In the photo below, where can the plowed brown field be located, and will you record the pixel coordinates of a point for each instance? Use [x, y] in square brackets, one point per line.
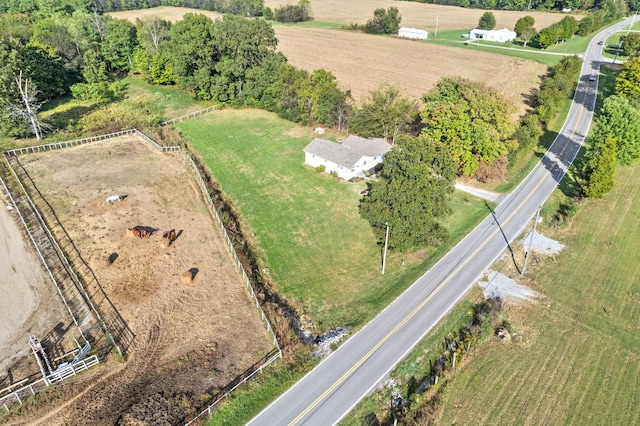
[418, 15]
[361, 62]
[191, 338]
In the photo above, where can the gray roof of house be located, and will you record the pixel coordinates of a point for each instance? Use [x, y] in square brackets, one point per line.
[349, 152]
[371, 147]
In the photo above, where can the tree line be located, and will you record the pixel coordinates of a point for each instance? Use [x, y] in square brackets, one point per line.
[615, 138]
[538, 4]
[47, 8]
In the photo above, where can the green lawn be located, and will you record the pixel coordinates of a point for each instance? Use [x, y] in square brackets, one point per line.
[455, 38]
[322, 257]
[583, 363]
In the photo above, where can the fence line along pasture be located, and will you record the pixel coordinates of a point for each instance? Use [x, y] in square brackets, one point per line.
[73, 268]
[17, 396]
[36, 246]
[110, 322]
[190, 115]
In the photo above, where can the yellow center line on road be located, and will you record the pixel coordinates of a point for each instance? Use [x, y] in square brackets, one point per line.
[434, 292]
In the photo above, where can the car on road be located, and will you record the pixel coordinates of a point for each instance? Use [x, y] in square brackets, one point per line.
[593, 77]
[601, 42]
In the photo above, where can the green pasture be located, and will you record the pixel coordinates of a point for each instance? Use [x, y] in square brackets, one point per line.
[549, 57]
[321, 256]
[582, 365]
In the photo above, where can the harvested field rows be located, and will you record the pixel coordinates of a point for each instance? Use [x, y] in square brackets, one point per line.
[418, 15]
[362, 62]
[192, 337]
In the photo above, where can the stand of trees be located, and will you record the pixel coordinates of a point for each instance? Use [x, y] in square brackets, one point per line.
[46, 8]
[537, 4]
[615, 138]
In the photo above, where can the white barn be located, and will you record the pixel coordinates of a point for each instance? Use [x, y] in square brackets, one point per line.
[412, 33]
[501, 36]
[349, 159]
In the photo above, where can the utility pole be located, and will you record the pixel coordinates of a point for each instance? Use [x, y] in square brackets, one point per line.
[384, 254]
[436, 35]
[526, 256]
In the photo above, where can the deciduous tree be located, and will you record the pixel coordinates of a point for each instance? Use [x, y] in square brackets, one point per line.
[411, 195]
[524, 23]
[487, 21]
[471, 119]
[384, 113]
[600, 168]
[628, 81]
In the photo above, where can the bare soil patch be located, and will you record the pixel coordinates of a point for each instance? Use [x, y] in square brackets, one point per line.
[191, 338]
[418, 15]
[361, 62]
[168, 13]
[29, 303]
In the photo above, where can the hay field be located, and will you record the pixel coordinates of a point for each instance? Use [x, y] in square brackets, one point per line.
[418, 15]
[361, 62]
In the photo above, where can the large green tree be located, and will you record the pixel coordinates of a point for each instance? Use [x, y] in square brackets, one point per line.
[384, 113]
[412, 193]
[600, 169]
[620, 120]
[628, 81]
[471, 119]
[384, 21]
[487, 21]
[523, 23]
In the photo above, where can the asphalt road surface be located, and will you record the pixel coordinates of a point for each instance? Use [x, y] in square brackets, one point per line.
[331, 390]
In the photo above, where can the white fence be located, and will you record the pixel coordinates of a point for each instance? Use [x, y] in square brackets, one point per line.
[190, 115]
[19, 395]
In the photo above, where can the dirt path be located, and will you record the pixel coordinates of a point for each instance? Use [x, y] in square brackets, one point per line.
[29, 303]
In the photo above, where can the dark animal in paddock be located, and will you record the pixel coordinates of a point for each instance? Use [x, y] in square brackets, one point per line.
[142, 231]
[170, 236]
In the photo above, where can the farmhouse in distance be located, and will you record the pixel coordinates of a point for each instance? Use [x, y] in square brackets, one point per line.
[348, 160]
[501, 36]
[413, 33]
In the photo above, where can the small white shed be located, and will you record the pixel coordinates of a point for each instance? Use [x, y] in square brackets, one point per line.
[413, 33]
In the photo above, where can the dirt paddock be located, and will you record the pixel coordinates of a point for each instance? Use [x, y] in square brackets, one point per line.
[192, 336]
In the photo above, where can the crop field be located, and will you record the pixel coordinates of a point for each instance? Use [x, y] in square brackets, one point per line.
[362, 62]
[417, 15]
[323, 258]
[581, 364]
[193, 336]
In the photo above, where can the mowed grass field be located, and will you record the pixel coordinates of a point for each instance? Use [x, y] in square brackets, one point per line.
[582, 361]
[322, 257]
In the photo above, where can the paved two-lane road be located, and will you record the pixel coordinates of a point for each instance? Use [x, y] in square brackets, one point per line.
[337, 384]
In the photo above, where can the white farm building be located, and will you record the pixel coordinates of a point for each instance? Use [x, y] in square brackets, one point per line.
[412, 33]
[501, 36]
[349, 159]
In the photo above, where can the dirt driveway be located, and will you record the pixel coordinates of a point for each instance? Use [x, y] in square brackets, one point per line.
[191, 338]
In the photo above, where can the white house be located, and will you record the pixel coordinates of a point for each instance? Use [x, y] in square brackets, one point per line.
[412, 33]
[501, 36]
[349, 159]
